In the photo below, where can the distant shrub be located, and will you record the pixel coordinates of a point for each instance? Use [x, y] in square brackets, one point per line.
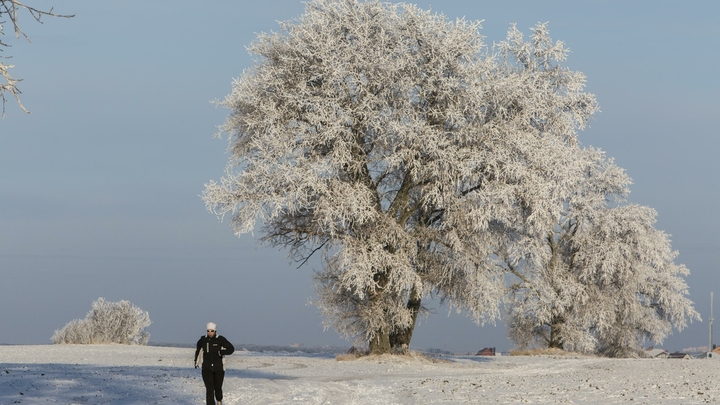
[107, 322]
[77, 331]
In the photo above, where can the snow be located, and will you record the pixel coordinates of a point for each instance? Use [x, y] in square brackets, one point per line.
[117, 374]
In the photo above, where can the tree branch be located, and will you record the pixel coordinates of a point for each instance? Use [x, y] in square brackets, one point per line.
[10, 8]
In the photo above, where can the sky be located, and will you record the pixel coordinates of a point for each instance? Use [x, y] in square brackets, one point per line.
[100, 184]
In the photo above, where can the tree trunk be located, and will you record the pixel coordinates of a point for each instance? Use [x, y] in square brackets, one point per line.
[400, 341]
[556, 339]
[380, 344]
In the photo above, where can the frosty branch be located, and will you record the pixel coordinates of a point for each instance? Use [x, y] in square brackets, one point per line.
[10, 9]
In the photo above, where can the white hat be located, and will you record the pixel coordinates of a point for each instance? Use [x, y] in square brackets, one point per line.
[211, 326]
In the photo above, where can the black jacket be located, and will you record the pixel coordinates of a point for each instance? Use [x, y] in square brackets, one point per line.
[213, 348]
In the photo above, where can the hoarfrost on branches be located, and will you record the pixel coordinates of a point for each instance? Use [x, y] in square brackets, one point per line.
[10, 9]
[395, 143]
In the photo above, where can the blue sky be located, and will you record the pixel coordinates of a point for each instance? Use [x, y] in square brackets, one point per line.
[99, 186]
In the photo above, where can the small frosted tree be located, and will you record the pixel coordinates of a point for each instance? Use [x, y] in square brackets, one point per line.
[107, 322]
[640, 292]
[391, 140]
[603, 279]
[77, 331]
[549, 300]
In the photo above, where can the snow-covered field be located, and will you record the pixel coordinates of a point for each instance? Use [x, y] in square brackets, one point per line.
[114, 374]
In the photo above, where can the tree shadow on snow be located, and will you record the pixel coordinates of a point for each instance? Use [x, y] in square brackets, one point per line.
[80, 384]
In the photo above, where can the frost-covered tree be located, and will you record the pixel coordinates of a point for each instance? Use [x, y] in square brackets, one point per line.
[10, 12]
[75, 332]
[394, 142]
[107, 322]
[641, 293]
[603, 279]
[548, 299]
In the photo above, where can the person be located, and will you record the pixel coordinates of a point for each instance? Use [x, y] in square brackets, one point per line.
[213, 348]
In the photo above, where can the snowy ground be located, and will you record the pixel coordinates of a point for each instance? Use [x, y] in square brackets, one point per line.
[160, 375]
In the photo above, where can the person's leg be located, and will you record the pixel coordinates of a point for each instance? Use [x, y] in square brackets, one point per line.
[219, 377]
[209, 380]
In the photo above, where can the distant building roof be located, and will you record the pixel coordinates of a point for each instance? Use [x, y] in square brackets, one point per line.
[678, 355]
[656, 353]
[488, 351]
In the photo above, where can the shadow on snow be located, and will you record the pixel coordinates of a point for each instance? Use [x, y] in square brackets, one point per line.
[79, 384]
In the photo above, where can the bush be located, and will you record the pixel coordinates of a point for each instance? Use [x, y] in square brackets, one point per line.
[107, 322]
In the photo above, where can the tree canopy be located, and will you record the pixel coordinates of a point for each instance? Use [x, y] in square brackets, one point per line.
[394, 141]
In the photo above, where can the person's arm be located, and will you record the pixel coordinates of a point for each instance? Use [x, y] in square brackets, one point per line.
[227, 347]
[197, 352]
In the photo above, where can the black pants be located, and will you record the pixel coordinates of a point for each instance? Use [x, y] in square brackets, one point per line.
[213, 385]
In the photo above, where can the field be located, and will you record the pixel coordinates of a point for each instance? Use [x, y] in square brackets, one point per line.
[114, 374]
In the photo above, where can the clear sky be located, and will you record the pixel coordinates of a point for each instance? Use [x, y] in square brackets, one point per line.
[99, 186]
